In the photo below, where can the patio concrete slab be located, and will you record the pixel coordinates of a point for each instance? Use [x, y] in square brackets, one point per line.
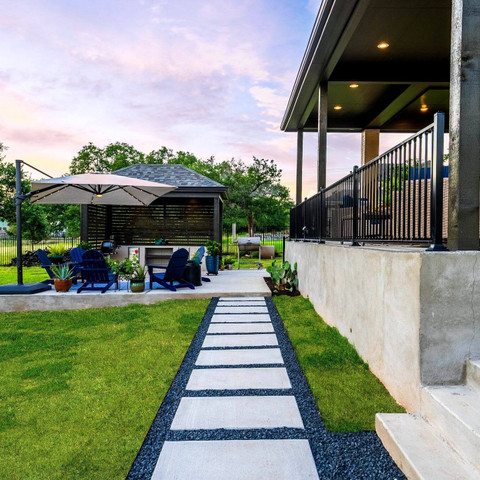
[236, 460]
[249, 356]
[234, 283]
[238, 379]
[241, 309]
[208, 413]
[241, 328]
[225, 318]
[247, 340]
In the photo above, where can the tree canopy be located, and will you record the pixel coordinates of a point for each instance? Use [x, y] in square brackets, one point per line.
[255, 198]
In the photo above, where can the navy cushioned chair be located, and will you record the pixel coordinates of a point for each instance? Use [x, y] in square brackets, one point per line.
[173, 272]
[95, 271]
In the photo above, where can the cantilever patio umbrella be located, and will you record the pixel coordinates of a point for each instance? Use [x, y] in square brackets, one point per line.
[88, 188]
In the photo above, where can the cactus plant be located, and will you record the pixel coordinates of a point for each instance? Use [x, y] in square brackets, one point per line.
[284, 277]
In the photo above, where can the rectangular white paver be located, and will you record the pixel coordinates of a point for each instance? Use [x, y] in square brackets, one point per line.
[222, 299]
[247, 340]
[240, 328]
[196, 413]
[240, 303]
[290, 459]
[243, 310]
[249, 356]
[238, 378]
[216, 318]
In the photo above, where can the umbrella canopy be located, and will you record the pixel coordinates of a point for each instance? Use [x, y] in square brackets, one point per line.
[97, 189]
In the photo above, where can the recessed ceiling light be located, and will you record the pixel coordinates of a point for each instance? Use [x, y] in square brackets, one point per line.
[424, 108]
[337, 107]
[354, 85]
[383, 45]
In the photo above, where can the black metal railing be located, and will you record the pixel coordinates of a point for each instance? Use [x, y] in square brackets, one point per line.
[397, 197]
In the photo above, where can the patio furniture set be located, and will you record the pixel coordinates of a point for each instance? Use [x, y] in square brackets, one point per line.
[97, 273]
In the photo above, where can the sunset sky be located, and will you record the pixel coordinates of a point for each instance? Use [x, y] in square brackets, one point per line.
[210, 77]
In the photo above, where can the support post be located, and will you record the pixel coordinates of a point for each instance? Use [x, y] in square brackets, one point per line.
[18, 208]
[370, 144]
[299, 166]
[322, 135]
[436, 209]
[355, 208]
[217, 230]
[464, 164]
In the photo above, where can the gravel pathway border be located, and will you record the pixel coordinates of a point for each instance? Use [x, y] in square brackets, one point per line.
[337, 455]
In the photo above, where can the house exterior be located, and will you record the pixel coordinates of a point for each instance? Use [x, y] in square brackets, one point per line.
[374, 66]
[186, 217]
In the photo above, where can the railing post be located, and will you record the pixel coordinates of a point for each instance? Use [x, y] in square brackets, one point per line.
[283, 252]
[355, 208]
[436, 207]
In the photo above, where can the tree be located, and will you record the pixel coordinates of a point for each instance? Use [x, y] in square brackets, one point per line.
[34, 222]
[113, 157]
[254, 198]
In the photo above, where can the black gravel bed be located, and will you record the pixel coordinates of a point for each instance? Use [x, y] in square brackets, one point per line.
[337, 455]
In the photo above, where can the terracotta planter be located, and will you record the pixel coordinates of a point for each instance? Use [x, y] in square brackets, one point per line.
[62, 285]
[137, 287]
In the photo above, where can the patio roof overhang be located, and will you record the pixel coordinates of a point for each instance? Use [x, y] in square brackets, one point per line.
[393, 83]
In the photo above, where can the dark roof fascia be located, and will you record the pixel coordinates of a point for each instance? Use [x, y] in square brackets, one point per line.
[198, 191]
[331, 21]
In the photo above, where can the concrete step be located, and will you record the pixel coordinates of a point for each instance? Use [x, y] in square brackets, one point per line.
[418, 451]
[473, 374]
[455, 412]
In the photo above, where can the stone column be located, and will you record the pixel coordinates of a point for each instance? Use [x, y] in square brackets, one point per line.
[370, 144]
[322, 136]
[464, 169]
[299, 166]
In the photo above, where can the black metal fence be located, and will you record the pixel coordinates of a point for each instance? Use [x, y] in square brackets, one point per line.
[8, 246]
[276, 239]
[397, 197]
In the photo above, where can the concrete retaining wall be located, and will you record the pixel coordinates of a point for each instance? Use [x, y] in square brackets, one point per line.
[410, 314]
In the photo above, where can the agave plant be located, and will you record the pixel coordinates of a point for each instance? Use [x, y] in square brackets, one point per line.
[62, 272]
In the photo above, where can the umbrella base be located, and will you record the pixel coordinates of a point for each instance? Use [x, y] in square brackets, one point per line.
[25, 289]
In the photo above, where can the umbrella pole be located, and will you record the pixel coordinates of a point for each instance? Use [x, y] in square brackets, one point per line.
[18, 202]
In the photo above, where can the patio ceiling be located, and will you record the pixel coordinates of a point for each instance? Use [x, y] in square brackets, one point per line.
[393, 83]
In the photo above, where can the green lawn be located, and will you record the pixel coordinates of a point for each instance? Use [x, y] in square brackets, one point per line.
[30, 274]
[79, 389]
[348, 395]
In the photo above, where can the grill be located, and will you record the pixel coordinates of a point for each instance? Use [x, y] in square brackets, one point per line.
[247, 245]
[108, 247]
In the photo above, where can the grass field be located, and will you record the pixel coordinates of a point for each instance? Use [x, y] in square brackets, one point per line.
[79, 389]
[30, 275]
[348, 395]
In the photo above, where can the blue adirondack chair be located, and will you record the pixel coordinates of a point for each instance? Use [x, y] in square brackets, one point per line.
[199, 254]
[173, 272]
[76, 255]
[95, 271]
[46, 264]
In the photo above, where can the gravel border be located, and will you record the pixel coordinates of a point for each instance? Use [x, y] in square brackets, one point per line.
[337, 455]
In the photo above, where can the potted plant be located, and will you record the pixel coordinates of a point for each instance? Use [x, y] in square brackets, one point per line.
[62, 277]
[137, 279]
[228, 262]
[85, 246]
[56, 253]
[212, 259]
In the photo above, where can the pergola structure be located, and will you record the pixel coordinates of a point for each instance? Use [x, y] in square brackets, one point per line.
[376, 66]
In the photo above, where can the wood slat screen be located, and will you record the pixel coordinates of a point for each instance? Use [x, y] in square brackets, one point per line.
[97, 224]
[178, 221]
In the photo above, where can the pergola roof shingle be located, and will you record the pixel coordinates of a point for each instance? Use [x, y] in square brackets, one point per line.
[177, 175]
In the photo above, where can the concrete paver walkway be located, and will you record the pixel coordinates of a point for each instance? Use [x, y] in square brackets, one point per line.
[240, 408]
[239, 459]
